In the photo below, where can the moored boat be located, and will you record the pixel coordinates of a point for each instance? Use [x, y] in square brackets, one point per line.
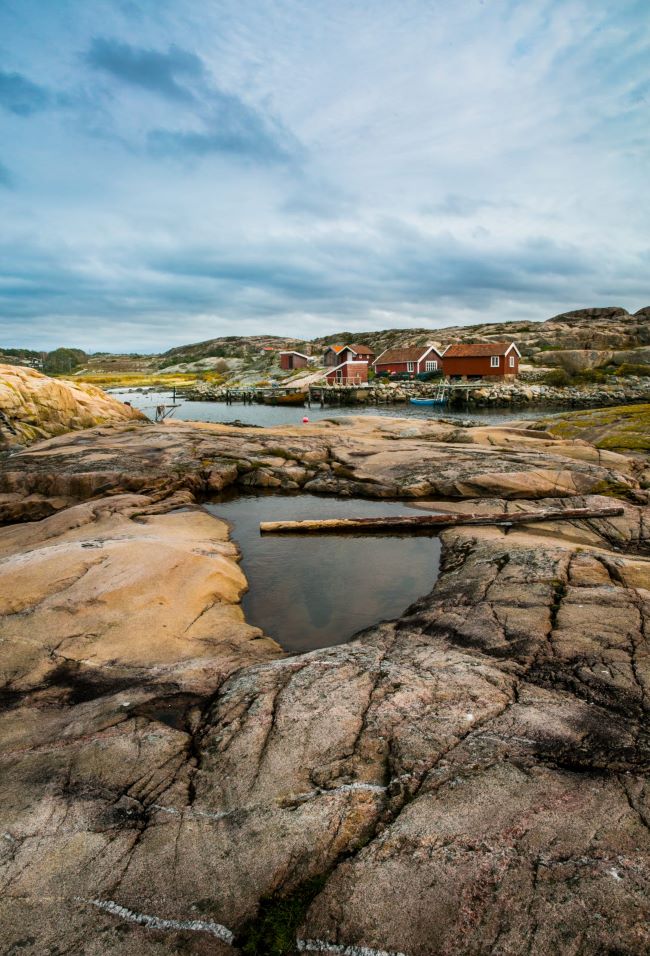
[427, 401]
[285, 398]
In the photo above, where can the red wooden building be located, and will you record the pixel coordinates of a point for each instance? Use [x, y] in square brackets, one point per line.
[481, 360]
[348, 373]
[357, 353]
[290, 360]
[419, 358]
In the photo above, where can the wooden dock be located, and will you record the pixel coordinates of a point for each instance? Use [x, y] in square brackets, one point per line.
[321, 395]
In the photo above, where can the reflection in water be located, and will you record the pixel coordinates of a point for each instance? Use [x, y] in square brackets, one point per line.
[316, 591]
[267, 415]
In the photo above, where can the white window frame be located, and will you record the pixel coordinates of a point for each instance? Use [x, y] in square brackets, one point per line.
[512, 361]
[431, 365]
[410, 366]
[495, 361]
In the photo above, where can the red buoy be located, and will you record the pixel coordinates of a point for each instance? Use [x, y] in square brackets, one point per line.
[305, 420]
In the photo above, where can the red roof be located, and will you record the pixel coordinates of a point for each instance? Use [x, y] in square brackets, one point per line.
[361, 349]
[478, 350]
[397, 356]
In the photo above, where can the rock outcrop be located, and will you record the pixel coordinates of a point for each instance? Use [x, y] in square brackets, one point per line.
[33, 406]
[374, 457]
[472, 778]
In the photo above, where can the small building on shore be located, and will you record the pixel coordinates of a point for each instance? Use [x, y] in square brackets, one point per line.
[412, 360]
[290, 360]
[493, 360]
[351, 372]
[331, 355]
[338, 354]
[357, 353]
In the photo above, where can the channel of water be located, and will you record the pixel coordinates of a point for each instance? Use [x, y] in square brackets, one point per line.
[267, 415]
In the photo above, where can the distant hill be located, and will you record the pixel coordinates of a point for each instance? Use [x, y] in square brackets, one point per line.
[229, 346]
[608, 328]
[591, 328]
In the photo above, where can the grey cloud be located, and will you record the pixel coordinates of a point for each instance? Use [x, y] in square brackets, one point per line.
[20, 96]
[232, 128]
[226, 124]
[162, 73]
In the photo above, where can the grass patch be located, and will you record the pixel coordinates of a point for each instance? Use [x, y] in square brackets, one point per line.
[620, 428]
[273, 931]
[144, 379]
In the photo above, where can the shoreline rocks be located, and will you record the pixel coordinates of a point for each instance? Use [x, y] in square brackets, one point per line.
[470, 778]
[520, 393]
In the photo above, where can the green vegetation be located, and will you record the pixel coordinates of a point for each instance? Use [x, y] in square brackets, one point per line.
[62, 361]
[629, 369]
[273, 931]
[561, 378]
[622, 428]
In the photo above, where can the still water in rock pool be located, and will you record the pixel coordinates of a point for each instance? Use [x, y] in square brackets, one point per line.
[319, 590]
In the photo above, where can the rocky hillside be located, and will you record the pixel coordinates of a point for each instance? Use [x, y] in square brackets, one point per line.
[583, 339]
[33, 406]
[610, 329]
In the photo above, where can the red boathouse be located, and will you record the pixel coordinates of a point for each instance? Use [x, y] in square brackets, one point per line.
[481, 360]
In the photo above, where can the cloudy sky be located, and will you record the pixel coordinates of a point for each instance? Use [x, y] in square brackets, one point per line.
[171, 171]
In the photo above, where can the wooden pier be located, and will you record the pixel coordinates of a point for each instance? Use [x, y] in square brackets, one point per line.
[322, 395]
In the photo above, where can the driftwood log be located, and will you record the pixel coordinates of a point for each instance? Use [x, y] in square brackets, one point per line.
[427, 524]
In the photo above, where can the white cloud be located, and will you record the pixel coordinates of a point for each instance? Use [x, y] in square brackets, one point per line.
[446, 164]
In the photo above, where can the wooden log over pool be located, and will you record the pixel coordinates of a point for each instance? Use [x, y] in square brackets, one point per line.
[430, 523]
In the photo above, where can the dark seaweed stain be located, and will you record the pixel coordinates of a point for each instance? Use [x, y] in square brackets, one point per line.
[173, 711]
[559, 594]
[272, 932]
[82, 685]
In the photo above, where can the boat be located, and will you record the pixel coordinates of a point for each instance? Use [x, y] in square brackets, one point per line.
[427, 401]
[285, 398]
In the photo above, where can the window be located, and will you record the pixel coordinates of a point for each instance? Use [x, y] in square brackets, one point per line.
[431, 366]
[410, 366]
[494, 361]
[512, 361]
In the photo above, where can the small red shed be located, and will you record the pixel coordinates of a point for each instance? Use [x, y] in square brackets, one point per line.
[348, 373]
[290, 360]
[481, 360]
[418, 358]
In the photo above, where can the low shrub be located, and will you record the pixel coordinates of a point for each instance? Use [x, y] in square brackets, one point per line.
[632, 369]
[558, 378]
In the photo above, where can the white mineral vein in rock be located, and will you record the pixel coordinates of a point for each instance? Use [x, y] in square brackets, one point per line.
[322, 946]
[157, 922]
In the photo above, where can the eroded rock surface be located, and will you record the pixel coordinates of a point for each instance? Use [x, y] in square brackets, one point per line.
[34, 406]
[373, 457]
[469, 779]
